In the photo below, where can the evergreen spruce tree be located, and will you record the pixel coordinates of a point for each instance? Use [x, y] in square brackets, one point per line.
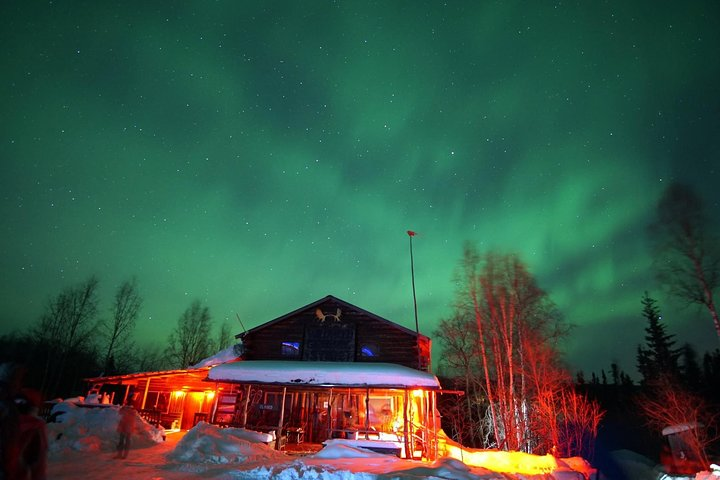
[692, 373]
[615, 372]
[644, 366]
[658, 358]
[711, 368]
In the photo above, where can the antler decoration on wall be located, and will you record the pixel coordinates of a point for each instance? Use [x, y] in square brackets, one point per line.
[322, 316]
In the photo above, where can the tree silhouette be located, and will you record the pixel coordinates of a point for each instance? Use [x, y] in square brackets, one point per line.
[502, 343]
[658, 357]
[691, 372]
[118, 330]
[686, 251]
[190, 341]
[65, 331]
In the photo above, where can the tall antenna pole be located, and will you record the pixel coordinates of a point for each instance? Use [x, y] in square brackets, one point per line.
[411, 234]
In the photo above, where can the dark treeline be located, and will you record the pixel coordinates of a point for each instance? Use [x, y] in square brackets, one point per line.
[500, 347]
[674, 387]
[76, 338]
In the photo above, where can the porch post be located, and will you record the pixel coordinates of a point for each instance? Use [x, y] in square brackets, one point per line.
[407, 429]
[125, 397]
[426, 423]
[216, 399]
[329, 414]
[278, 432]
[147, 388]
[313, 423]
[245, 405]
[433, 397]
[367, 412]
[426, 426]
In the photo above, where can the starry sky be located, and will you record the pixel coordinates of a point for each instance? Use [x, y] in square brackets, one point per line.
[261, 155]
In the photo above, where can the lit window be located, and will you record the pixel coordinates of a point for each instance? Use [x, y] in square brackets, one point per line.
[290, 349]
[368, 351]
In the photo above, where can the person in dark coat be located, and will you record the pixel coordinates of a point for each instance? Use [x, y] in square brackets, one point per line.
[125, 428]
[9, 420]
[32, 438]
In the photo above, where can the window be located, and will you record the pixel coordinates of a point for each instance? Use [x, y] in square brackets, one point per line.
[290, 349]
[368, 350]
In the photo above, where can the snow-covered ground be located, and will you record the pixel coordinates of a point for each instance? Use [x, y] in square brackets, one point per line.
[82, 444]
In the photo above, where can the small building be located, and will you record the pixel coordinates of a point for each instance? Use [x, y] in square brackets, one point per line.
[328, 371]
[686, 453]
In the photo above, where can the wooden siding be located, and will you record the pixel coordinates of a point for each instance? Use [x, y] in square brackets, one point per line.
[334, 330]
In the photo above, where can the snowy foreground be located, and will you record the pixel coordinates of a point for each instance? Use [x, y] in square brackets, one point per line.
[82, 443]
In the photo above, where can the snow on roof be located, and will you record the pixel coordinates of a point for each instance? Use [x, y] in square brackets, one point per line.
[192, 372]
[358, 374]
[681, 427]
[223, 356]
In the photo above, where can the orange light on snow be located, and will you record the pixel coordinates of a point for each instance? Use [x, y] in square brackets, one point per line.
[497, 460]
[504, 462]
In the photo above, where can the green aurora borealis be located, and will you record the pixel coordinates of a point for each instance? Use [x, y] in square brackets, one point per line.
[261, 155]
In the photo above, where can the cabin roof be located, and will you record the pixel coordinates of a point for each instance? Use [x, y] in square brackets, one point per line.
[192, 372]
[324, 374]
[331, 298]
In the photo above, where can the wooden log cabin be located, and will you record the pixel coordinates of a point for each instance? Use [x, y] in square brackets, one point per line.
[328, 371]
[333, 330]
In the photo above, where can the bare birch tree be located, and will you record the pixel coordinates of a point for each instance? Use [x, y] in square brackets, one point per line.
[687, 256]
[148, 357]
[65, 329]
[190, 341]
[118, 330]
[461, 361]
[517, 329]
[471, 297]
[224, 337]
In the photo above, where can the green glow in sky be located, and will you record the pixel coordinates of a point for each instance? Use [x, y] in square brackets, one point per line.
[259, 156]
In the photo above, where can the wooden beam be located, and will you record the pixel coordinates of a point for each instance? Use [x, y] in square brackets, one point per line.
[245, 405]
[367, 412]
[145, 393]
[407, 429]
[278, 432]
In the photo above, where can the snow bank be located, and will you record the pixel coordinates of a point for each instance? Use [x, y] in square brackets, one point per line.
[516, 462]
[206, 443]
[210, 451]
[299, 470]
[86, 429]
[334, 449]
[448, 468]
[634, 465]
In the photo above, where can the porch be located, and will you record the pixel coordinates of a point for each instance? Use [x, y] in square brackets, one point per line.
[384, 407]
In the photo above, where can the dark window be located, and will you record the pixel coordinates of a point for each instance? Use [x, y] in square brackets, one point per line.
[290, 349]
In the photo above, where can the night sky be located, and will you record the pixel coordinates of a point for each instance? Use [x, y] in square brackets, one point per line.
[261, 155]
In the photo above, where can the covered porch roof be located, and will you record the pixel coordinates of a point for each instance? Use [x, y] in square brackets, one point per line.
[192, 379]
[324, 374]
